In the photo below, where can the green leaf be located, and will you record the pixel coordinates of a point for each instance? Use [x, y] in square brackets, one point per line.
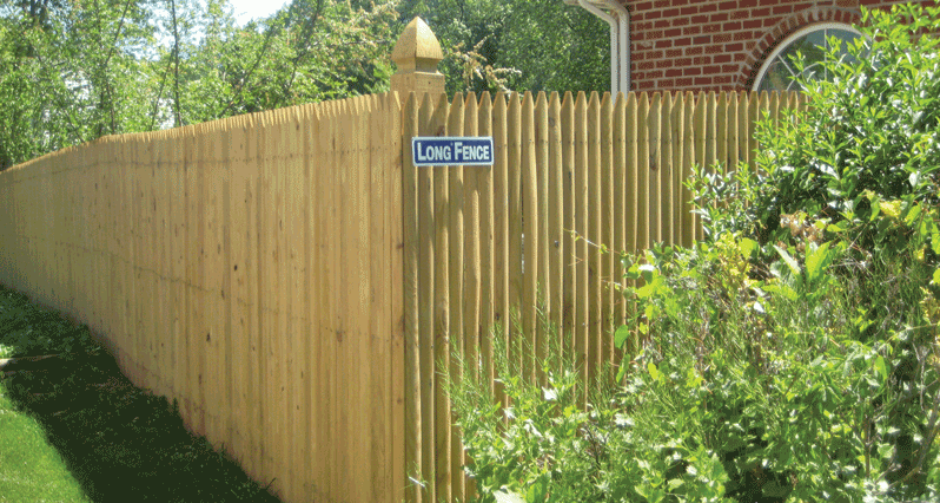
[621, 336]
[912, 214]
[787, 259]
[881, 368]
[654, 372]
[817, 261]
[747, 247]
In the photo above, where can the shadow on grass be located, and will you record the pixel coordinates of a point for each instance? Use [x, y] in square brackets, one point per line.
[120, 442]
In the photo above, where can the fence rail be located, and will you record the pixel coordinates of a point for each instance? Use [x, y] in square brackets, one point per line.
[291, 279]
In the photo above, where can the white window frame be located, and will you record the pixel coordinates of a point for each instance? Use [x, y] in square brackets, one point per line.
[806, 30]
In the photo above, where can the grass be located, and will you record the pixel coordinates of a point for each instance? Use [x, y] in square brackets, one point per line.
[30, 468]
[74, 429]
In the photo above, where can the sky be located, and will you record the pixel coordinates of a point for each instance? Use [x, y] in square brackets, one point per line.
[246, 10]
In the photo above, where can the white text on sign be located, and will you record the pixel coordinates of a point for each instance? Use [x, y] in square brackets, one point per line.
[452, 151]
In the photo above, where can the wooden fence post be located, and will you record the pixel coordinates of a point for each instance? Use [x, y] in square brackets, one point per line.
[417, 54]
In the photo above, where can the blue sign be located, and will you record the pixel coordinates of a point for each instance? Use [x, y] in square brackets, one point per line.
[452, 151]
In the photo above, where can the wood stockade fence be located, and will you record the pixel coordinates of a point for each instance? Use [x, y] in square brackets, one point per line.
[290, 278]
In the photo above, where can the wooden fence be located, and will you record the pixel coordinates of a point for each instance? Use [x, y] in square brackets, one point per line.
[245, 268]
[290, 278]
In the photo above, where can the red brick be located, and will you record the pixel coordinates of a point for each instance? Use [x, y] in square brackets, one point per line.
[674, 72]
[663, 44]
[692, 70]
[682, 42]
[673, 53]
[711, 70]
[732, 26]
[729, 68]
[695, 29]
[722, 58]
[665, 63]
[743, 35]
[708, 7]
[663, 23]
[714, 49]
[711, 28]
[698, 20]
[694, 50]
[688, 11]
[752, 24]
[729, 5]
[737, 46]
[665, 84]
[722, 38]
[704, 39]
[673, 33]
[703, 81]
[748, 4]
[674, 12]
[718, 17]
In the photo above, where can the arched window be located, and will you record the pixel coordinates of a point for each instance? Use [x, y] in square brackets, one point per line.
[778, 73]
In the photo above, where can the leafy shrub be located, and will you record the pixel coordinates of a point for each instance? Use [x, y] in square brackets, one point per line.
[865, 155]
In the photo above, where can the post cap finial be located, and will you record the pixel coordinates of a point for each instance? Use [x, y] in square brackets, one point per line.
[417, 48]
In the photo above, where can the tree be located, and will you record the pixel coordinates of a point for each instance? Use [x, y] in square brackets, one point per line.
[539, 39]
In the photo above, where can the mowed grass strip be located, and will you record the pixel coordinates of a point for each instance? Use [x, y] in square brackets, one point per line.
[74, 429]
[31, 469]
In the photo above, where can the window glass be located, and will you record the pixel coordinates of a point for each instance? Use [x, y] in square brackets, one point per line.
[778, 72]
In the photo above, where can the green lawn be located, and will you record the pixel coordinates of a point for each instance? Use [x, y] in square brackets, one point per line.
[74, 429]
[31, 469]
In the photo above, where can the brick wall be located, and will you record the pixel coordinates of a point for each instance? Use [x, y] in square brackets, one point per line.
[720, 44]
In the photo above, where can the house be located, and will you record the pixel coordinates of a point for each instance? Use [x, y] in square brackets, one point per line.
[720, 45]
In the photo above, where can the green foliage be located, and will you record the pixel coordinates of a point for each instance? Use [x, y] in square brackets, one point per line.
[545, 447]
[533, 42]
[865, 156]
[27, 330]
[72, 72]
